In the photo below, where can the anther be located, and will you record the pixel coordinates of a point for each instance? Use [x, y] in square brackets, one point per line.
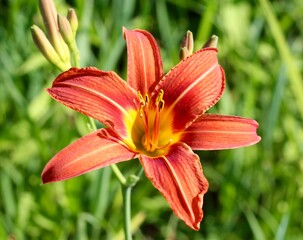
[141, 100]
[161, 105]
[159, 101]
[159, 97]
[146, 99]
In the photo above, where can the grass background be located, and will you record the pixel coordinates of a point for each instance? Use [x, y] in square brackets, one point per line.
[255, 192]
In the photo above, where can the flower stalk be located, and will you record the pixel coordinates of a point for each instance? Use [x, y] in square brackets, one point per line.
[127, 187]
[127, 190]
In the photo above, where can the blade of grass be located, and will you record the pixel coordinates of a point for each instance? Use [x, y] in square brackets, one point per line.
[165, 28]
[8, 197]
[293, 71]
[281, 232]
[254, 225]
[102, 198]
[206, 22]
[274, 109]
[83, 35]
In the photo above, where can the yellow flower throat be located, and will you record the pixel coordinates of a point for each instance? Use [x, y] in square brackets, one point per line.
[150, 140]
[150, 130]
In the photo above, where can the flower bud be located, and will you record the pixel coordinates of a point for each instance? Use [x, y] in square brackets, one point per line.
[212, 42]
[188, 42]
[47, 49]
[183, 53]
[49, 14]
[187, 45]
[65, 29]
[73, 20]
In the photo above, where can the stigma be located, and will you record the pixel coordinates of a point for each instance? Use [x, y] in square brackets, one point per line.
[150, 114]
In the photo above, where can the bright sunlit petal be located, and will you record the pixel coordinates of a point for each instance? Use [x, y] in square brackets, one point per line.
[144, 60]
[98, 94]
[192, 87]
[214, 132]
[88, 153]
[179, 177]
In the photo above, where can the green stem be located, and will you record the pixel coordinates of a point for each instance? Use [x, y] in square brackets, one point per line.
[92, 124]
[127, 211]
[75, 54]
[118, 174]
[140, 172]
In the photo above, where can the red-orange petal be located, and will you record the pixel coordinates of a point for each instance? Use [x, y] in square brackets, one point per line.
[179, 177]
[192, 87]
[144, 60]
[98, 94]
[214, 132]
[86, 154]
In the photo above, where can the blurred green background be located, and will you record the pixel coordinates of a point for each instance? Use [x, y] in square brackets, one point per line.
[255, 192]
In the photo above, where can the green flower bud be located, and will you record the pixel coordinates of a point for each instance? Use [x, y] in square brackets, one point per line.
[184, 53]
[49, 14]
[188, 42]
[187, 45]
[73, 20]
[47, 49]
[65, 29]
[212, 42]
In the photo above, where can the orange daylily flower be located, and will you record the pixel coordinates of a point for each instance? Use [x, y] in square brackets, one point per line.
[158, 119]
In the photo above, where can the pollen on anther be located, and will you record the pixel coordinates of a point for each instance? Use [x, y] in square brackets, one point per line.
[161, 105]
[146, 99]
[159, 101]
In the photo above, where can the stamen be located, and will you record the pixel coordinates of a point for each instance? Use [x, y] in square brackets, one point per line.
[161, 105]
[150, 139]
[156, 129]
[160, 98]
[143, 113]
[146, 99]
[141, 100]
